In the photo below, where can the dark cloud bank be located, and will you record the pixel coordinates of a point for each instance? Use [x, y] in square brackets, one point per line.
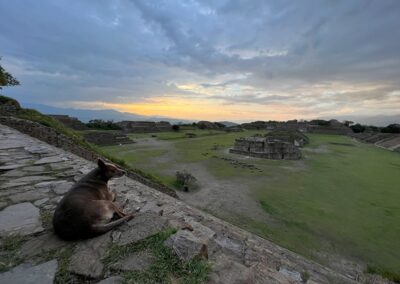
[325, 57]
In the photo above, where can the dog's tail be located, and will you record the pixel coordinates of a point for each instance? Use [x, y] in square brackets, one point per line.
[103, 228]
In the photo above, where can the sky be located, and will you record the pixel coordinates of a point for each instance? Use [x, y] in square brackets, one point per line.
[212, 60]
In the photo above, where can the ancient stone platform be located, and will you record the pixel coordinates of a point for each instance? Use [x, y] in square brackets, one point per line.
[33, 178]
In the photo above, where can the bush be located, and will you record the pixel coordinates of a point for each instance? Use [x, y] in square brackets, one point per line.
[391, 128]
[103, 124]
[358, 128]
[185, 180]
[175, 127]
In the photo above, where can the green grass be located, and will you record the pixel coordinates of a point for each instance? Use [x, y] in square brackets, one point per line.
[174, 135]
[202, 149]
[165, 266]
[9, 248]
[341, 199]
[346, 201]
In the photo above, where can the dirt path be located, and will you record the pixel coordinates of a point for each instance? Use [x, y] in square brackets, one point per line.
[226, 198]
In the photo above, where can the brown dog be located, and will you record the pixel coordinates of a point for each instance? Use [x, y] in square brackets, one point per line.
[88, 208]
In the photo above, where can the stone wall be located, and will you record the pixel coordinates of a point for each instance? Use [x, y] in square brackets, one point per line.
[52, 137]
[328, 130]
[144, 126]
[107, 138]
[266, 147]
[389, 141]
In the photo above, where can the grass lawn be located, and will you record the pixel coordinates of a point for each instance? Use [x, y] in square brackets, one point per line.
[342, 199]
[345, 201]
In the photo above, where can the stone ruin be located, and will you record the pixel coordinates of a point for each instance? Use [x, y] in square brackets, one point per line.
[266, 147]
[333, 127]
[292, 136]
[144, 126]
[71, 122]
[107, 138]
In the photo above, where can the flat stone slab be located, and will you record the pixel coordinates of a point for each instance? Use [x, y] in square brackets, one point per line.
[40, 244]
[27, 196]
[112, 280]
[26, 180]
[20, 219]
[187, 246]
[138, 261]
[49, 160]
[88, 254]
[62, 188]
[142, 226]
[10, 167]
[26, 274]
[228, 271]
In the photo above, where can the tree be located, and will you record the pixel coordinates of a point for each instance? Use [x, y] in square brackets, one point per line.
[391, 128]
[358, 128]
[6, 79]
[175, 127]
[348, 123]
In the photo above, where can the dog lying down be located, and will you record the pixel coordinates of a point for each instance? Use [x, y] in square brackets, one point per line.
[89, 208]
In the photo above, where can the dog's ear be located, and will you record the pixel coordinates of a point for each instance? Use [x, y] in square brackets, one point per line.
[101, 163]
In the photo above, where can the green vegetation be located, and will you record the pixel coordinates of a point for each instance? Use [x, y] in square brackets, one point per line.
[183, 133]
[345, 201]
[166, 266]
[340, 200]
[6, 79]
[63, 276]
[46, 216]
[103, 124]
[9, 248]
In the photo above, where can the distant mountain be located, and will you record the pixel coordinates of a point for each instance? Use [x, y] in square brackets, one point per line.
[228, 123]
[377, 120]
[85, 115]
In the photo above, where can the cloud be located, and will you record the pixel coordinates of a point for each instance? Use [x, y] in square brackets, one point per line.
[319, 56]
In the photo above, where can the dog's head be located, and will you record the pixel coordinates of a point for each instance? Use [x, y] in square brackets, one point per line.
[109, 170]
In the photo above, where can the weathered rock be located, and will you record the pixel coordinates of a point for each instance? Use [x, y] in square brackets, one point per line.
[264, 273]
[35, 169]
[40, 202]
[112, 280]
[60, 166]
[86, 260]
[62, 188]
[26, 180]
[3, 204]
[201, 231]
[43, 273]
[138, 261]
[40, 244]
[56, 199]
[10, 167]
[49, 160]
[291, 274]
[226, 271]
[142, 226]
[27, 196]
[41, 149]
[20, 219]
[187, 246]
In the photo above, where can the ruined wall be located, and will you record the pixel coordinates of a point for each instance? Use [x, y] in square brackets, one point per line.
[144, 126]
[107, 138]
[266, 148]
[328, 130]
